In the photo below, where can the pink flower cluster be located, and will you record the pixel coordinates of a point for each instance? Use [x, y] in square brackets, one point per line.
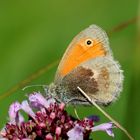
[47, 120]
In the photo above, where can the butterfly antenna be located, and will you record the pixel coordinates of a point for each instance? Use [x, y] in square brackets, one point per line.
[106, 114]
[29, 86]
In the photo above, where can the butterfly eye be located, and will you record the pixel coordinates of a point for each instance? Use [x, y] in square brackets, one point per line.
[89, 42]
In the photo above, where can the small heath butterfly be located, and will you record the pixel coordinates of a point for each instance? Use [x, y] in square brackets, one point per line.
[88, 63]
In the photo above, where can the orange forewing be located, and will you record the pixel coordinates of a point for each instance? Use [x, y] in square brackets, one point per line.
[80, 53]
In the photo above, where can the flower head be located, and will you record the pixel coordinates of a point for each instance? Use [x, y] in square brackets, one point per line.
[50, 121]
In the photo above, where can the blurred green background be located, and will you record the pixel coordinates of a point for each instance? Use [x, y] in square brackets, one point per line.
[34, 34]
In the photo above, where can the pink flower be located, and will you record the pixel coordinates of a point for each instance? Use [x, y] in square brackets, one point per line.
[25, 106]
[49, 137]
[76, 133]
[13, 112]
[37, 100]
[58, 131]
[48, 121]
[104, 127]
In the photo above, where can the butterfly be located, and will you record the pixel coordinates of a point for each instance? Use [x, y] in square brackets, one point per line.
[88, 63]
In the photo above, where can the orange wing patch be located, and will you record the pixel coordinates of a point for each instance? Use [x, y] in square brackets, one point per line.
[79, 53]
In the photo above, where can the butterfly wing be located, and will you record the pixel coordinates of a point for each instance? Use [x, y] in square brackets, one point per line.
[80, 50]
[101, 78]
[88, 63]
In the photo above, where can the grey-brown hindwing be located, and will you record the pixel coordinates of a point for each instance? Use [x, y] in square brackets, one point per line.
[101, 78]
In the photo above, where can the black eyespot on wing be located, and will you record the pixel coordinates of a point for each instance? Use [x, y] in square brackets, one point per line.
[89, 42]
